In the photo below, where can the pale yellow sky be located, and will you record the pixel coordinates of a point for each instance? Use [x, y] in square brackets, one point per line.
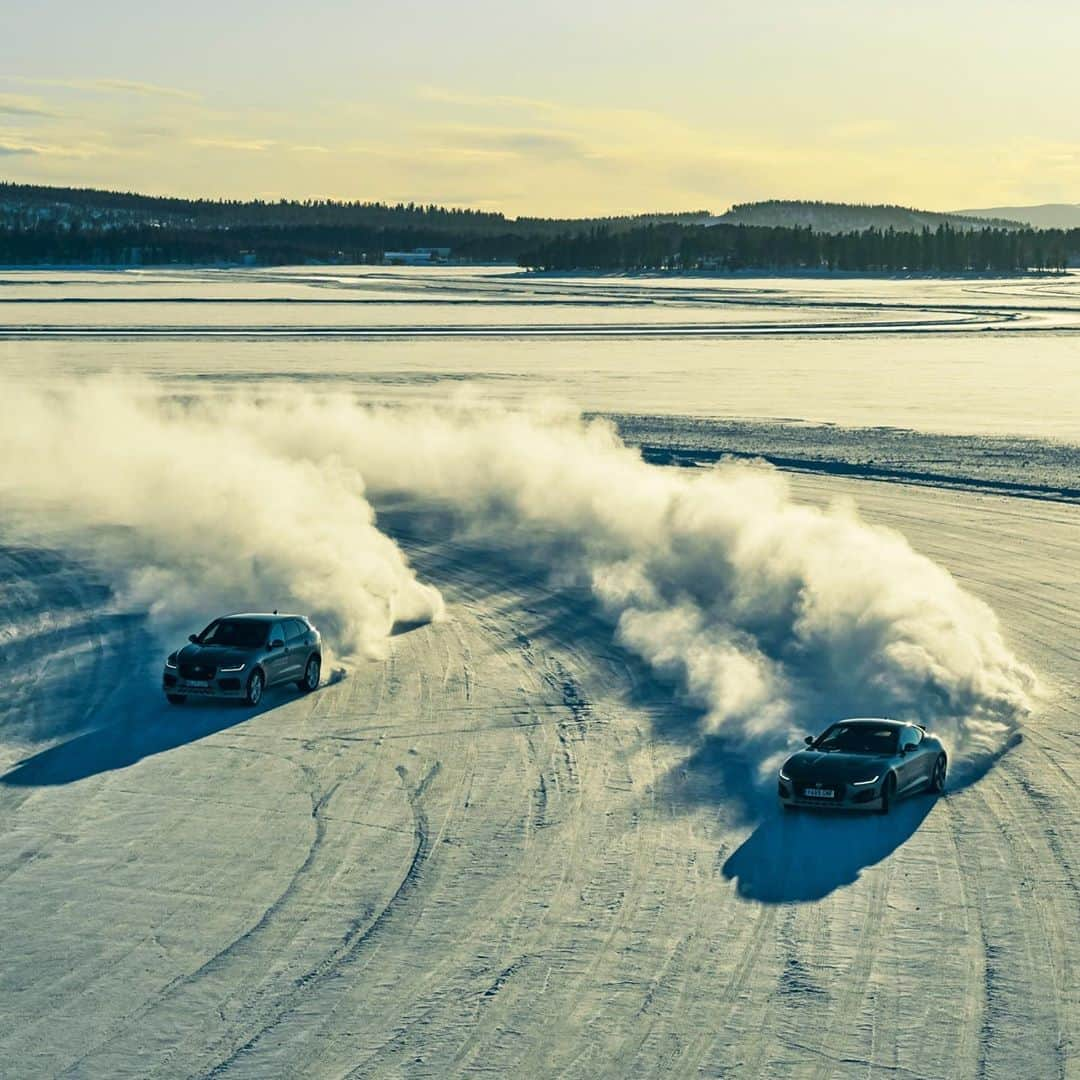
[579, 108]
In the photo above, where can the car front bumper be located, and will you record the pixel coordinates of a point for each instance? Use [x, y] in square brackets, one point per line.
[847, 797]
[230, 684]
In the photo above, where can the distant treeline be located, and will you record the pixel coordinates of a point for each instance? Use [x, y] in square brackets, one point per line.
[46, 225]
[25, 206]
[147, 245]
[751, 247]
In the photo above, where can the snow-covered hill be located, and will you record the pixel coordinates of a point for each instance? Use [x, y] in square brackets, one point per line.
[833, 217]
[1044, 216]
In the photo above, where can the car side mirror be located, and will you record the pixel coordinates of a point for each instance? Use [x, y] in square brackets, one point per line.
[193, 638]
[277, 643]
[906, 749]
[809, 740]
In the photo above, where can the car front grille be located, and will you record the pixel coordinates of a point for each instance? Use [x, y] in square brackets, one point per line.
[197, 671]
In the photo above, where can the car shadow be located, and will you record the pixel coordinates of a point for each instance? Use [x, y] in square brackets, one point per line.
[802, 856]
[140, 730]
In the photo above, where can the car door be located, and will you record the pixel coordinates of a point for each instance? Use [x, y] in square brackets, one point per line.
[276, 662]
[912, 766]
[296, 646]
[925, 759]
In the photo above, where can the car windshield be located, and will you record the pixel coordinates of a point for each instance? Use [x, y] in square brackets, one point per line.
[858, 739]
[236, 633]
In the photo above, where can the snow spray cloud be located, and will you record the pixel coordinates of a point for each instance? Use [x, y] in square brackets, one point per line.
[196, 510]
[771, 616]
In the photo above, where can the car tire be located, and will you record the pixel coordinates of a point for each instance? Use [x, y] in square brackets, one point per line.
[176, 699]
[310, 679]
[888, 794]
[937, 777]
[256, 684]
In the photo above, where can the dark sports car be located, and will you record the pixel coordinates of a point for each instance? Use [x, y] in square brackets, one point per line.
[863, 764]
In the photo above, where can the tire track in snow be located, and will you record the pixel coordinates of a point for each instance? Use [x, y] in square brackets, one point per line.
[359, 936]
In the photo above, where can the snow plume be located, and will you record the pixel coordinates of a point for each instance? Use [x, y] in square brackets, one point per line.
[198, 510]
[772, 616]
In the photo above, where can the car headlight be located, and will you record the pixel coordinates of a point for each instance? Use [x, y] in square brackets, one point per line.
[170, 661]
[239, 667]
[863, 783]
[783, 775]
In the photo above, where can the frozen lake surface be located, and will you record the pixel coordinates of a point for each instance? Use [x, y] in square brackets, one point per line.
[532, 831]
[960, 356]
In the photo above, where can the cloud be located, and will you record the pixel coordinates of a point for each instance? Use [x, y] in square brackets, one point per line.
[610, 124]
[152, 132]
[10, 147]
[121, 86]
[855, 130]
[11, 150]
[148, 89]
[251, 145]
[418, 157]
[521, 141]
[449, 97]
[18, 105]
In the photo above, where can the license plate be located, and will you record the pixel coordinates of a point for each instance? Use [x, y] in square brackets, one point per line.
[196, 682]
[819, 793]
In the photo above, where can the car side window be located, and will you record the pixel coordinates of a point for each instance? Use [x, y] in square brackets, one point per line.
[276, 633]
[910, 738]
[296, 630]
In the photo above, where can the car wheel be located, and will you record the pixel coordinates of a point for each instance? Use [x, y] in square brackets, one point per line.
[310, 681]
[255, 685]
[176, 699]
[937, 777]
[888, 794]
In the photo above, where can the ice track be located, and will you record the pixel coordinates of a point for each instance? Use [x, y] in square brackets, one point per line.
[502, 851]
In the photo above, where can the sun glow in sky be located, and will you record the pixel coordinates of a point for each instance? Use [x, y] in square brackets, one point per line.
[561, 108]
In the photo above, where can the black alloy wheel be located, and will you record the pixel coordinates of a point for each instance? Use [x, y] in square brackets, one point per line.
[255, 685]
[310, 681]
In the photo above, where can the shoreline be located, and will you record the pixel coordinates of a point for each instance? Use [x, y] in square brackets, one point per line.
[513, 270]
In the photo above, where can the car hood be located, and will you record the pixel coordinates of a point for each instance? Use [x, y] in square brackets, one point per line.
[833, 768]
[217, 655]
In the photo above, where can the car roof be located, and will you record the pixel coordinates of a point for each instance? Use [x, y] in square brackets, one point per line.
[877, 721]
[268, 615]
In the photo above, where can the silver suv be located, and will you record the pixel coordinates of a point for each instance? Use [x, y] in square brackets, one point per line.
[239, 656]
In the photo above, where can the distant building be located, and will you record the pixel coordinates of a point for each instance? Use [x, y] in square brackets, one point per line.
[421, 256]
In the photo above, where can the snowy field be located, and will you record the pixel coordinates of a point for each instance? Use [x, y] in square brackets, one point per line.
[527, 826]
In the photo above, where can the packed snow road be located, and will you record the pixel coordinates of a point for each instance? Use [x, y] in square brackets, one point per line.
[507, 849]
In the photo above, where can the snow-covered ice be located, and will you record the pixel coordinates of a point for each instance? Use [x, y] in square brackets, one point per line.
[522, 835]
